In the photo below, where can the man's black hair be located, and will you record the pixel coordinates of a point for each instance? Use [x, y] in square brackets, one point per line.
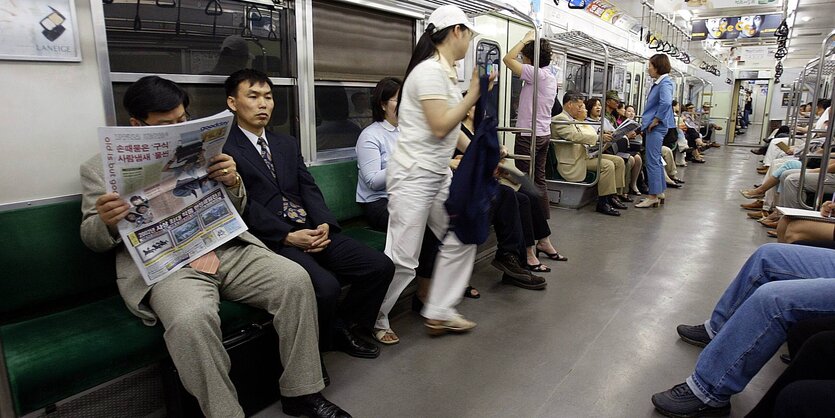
[153, 94]
[248, 75]
[824, 103]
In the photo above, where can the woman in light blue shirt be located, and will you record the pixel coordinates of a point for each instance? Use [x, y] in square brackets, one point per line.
[374, 148]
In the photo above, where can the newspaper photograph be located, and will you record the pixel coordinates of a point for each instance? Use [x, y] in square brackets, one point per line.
[177, 213]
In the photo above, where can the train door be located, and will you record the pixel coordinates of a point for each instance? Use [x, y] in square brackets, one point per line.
[750, 107]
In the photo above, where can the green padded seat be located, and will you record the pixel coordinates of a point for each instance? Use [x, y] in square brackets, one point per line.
[63, 326]
[56, 356]
[368, 236]
[338, 183]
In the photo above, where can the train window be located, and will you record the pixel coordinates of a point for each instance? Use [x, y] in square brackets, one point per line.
[358, 44]
[576, 78]
[208, 99]
[198, 37]
[342, 112]
[488, 52]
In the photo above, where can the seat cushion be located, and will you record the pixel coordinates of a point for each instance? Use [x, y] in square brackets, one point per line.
[338, 183]
[368, 236]
[52, 357]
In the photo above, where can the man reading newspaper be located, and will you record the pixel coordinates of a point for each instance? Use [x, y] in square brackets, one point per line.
[186, 302]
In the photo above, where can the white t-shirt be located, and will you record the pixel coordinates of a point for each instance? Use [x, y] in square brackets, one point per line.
[823, 119]
[433, 78]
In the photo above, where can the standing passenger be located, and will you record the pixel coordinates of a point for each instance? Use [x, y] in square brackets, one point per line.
[656, 120]
[418, 176]
[546, 94]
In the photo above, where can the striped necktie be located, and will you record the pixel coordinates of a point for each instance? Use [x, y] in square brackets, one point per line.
[291, 210]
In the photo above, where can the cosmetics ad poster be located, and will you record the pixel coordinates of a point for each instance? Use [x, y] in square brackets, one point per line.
[39, 30]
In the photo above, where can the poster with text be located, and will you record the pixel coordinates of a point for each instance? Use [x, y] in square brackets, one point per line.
[39, 30]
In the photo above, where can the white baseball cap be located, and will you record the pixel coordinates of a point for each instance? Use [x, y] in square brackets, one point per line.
[450, 15]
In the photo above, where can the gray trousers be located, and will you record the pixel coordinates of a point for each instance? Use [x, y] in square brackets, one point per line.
[187, 303]
[790, 181]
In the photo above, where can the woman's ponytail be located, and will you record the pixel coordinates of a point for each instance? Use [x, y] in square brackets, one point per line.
[425, 48]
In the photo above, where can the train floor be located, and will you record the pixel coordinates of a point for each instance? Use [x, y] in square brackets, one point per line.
[600, 340]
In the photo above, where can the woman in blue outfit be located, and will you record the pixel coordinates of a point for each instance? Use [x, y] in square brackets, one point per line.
[656, 120]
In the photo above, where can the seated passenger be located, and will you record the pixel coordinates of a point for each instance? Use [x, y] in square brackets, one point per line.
[615, 114]
[187, 302]
[790, 230]
[778, 286]
[690, 126]
[287, 211]
[574, 159]
[707, 127]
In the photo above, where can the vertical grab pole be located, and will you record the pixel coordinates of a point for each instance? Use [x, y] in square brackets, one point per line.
[827, 143]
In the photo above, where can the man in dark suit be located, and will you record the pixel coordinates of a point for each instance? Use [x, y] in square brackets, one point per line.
[287, 211]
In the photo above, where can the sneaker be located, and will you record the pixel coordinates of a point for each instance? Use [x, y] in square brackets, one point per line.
[681, 402]
[694, 334]
[458, 324]
[509, 265]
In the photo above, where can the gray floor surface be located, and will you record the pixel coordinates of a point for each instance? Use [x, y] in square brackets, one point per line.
[600, 340]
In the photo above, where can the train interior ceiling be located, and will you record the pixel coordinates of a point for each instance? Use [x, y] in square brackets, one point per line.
[600, 340]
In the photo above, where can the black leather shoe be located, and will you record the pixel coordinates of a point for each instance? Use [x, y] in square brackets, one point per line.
[680, 401]
[509, 265]
[531, 282]
[607, 209]
[349, 343]
[626, 199]
[616, 203]
[677, 180]
[694, 334]
[313, 406]
[674, 185]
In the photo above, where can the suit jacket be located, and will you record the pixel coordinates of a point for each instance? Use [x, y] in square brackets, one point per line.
[571, 158]
[264, 210]
[96, 236]
[660, 105]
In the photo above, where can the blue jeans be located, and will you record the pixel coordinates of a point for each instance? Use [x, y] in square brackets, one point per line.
[655, 169]
[779, 285]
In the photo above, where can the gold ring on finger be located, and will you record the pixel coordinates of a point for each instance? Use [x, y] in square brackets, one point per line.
[225, 171]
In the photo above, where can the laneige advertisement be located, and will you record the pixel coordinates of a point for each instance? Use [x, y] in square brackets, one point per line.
[738, 27]
[39, 30]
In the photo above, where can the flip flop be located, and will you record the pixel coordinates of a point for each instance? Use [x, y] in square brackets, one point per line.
[471, 292]
[539, 268]
[553, 256]
[379, 334]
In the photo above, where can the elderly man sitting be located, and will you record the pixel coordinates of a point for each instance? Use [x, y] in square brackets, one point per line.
[574, 158]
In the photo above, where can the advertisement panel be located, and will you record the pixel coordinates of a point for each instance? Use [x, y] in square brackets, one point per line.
[737, 27]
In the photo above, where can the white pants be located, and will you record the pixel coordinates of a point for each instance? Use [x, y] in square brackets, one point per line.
[774, 152]
[416, 200]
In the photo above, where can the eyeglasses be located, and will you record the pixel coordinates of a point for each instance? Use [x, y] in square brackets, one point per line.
[185, 118]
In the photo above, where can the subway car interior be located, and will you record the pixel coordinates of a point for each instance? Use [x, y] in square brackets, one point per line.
[673, 191]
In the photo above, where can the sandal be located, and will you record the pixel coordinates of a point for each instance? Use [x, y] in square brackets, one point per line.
[386, 336]
[539, 268]
[471, 292]
[553, 256]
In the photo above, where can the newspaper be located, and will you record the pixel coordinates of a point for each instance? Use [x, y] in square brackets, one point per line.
[624, 128]
[177, 213]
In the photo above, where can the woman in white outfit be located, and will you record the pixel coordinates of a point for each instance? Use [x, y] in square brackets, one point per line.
[430, 111]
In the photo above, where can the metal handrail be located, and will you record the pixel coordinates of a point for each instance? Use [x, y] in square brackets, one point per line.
[827, 141]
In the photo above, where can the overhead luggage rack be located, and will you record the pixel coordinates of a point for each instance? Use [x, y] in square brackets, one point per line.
[471, 7]
[574, 40]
